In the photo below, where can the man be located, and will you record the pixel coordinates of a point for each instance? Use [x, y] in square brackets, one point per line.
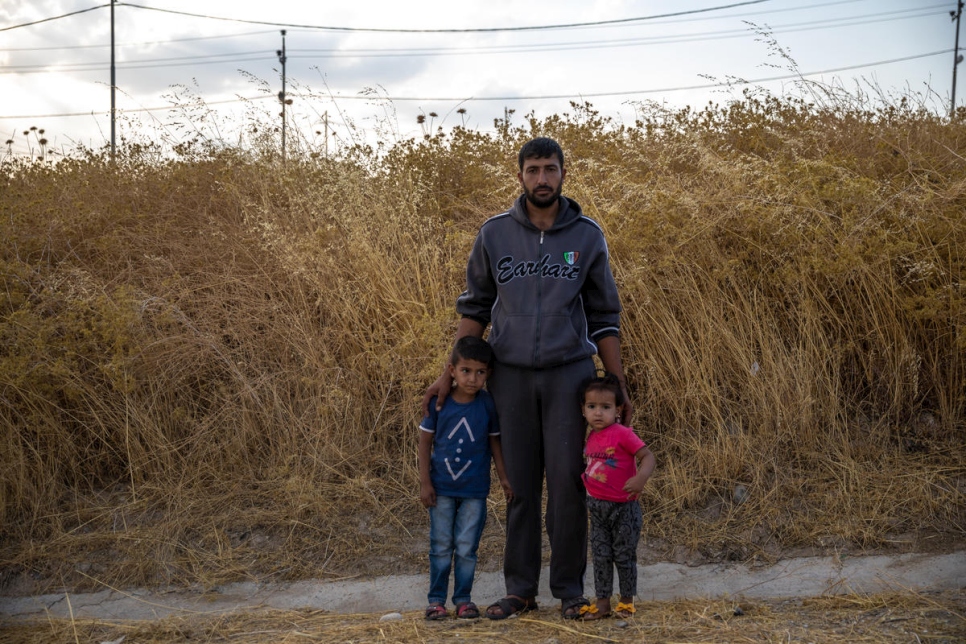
[539, 276]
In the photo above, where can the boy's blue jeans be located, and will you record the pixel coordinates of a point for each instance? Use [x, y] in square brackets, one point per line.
[455, 527]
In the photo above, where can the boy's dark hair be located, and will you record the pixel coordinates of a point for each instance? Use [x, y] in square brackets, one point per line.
[606, 382]
[540, 148]
[472, 348]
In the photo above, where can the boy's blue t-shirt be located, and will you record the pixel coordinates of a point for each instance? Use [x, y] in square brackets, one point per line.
[460, 463]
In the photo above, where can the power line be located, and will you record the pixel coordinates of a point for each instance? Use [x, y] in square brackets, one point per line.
[66, 15]
[140, 63]
[578, 96]
[249, 56]
[759, 12]
[850, 21]
[140, 110]
[142, 43]
[272, 31]
[605, 23]
[380, 30]
[456, 31]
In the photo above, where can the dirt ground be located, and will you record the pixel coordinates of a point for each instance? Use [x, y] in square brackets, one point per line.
[913, 590]
[908, 597]
[937, 618]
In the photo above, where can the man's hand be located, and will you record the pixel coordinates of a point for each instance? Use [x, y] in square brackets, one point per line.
[440, 389]
[444, 383]
[507, 489]
[609, 350]
[628, 412]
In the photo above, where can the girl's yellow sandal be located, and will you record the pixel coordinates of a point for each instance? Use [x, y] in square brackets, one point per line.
[590, 613]
[625, 610]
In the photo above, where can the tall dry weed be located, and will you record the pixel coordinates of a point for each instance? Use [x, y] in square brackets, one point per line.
[211, 364]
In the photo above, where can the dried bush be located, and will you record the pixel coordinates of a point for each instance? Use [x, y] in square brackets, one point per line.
[211, 363]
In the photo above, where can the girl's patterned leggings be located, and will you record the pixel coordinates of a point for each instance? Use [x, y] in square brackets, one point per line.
[615, 530]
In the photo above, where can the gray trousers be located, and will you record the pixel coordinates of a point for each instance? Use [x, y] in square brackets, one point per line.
[542, 430]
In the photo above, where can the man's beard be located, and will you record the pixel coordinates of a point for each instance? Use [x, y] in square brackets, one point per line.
[543, 202]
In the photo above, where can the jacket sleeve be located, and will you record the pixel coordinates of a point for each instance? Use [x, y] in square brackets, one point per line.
[602, 304]
[477, 300]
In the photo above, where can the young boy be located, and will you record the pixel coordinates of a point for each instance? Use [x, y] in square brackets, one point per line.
[455, 446]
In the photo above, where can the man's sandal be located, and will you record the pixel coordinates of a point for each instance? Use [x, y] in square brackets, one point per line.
[590, 613]
[625, 610]
[509, 606]
[435, 611]
[467, 611]
[571, 608]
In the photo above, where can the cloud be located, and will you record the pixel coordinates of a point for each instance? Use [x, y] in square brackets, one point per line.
[221, 60]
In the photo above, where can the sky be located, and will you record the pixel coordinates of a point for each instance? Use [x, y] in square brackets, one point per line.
[366, 70]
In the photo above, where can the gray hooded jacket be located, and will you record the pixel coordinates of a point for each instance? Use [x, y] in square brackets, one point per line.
[550, 296]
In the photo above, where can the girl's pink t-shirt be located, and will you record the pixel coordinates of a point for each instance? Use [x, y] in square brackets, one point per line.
[609, 454]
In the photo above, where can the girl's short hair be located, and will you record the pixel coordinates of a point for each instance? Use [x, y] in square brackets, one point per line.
[605, 382]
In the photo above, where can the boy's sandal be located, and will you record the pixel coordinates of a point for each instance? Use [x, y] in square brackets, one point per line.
[590, 613]
[467, 611]
[435, 611]
[509, 606]
[625, 610]
[571, 608]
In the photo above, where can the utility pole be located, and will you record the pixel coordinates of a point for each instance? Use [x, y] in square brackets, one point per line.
[957, 57]
[114, 83]
[281, 95]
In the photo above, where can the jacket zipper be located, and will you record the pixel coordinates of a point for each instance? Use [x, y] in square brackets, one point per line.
[536, 330]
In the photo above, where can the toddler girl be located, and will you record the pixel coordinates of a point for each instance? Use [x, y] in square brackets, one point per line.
[618, 466]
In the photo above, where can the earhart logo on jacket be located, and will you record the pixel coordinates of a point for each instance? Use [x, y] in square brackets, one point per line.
[508, 270]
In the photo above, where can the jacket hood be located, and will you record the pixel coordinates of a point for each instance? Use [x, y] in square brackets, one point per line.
[570, 212]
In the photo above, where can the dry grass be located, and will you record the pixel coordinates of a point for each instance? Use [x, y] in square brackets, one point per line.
[211, 364]
[936, 618]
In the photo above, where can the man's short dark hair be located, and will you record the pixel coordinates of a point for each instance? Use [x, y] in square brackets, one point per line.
[540, 148]
[472, 348]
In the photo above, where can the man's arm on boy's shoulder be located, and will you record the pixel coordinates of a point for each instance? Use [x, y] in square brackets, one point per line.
[427, 493]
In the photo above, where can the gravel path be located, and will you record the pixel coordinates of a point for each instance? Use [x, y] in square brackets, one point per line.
[801, 577]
